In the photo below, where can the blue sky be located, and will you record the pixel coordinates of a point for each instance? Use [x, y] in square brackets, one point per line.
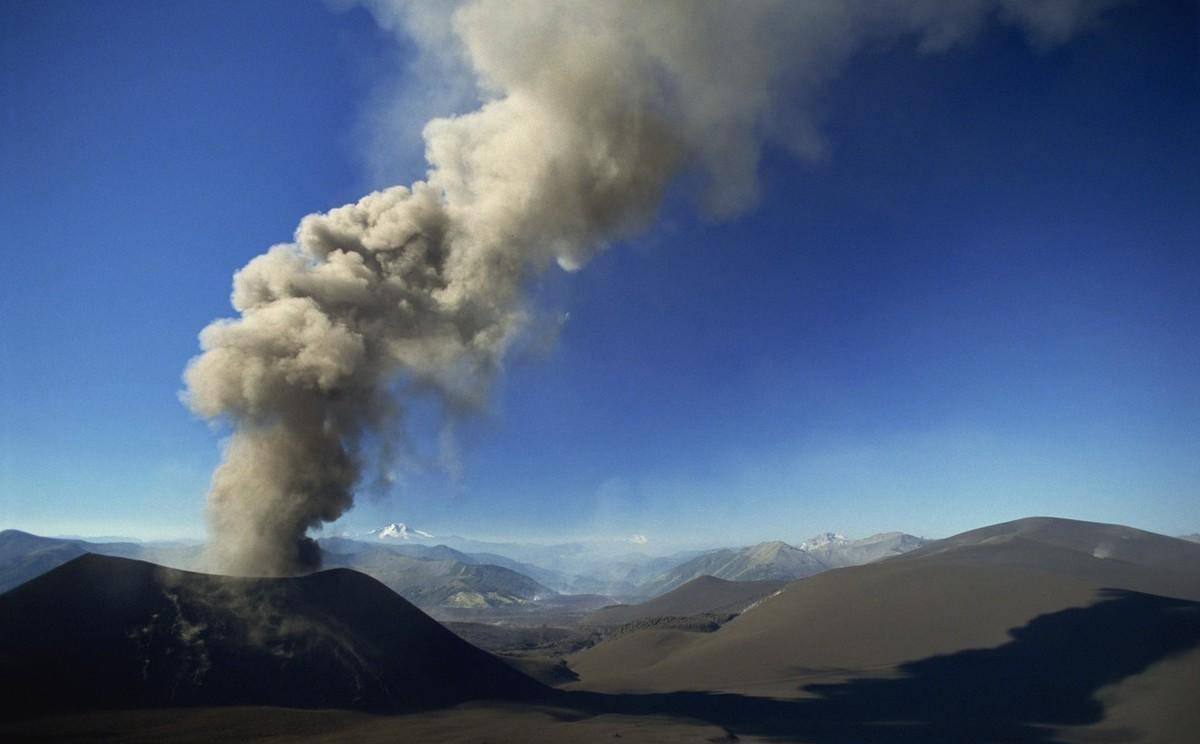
[981, 305]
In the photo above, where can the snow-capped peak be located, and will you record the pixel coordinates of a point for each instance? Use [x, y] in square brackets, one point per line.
[398, 531]
[823, 540]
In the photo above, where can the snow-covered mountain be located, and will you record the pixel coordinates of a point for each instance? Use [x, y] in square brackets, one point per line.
[399, 531]
[823, 540]
[836, 551]
[779, 561]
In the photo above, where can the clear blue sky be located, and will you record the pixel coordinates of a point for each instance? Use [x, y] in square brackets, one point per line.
[983, 305]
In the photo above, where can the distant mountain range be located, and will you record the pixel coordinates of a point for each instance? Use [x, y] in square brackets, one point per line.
[617, 568]
[780, 561]
[496, 575]
[435, 576]
[838, 552]
[24, 556]
[765, 561]
[428, 576]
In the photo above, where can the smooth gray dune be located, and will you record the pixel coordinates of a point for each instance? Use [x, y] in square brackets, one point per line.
[1026, 604]
[1100, 554]
[702, 595]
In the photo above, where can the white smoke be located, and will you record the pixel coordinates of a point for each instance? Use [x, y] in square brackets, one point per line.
[588, 112]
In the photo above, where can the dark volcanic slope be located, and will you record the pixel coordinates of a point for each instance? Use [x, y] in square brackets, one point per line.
[112, 632]
[705, 594]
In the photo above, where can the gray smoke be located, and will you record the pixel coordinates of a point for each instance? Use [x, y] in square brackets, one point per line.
[589, 111]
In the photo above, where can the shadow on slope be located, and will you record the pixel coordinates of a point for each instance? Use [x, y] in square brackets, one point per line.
[1047, 676]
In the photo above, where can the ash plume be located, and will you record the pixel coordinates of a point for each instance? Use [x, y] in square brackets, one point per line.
[588, 112]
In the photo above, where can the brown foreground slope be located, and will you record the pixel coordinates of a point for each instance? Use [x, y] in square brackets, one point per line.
[469, 723]
[1015, 626]
[965, 592]
[1100, 554]
[841, 621]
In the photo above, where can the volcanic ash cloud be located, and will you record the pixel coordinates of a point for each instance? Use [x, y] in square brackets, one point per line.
[589, 111]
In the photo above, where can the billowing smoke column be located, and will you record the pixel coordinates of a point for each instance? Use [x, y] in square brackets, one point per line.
[590, 111]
